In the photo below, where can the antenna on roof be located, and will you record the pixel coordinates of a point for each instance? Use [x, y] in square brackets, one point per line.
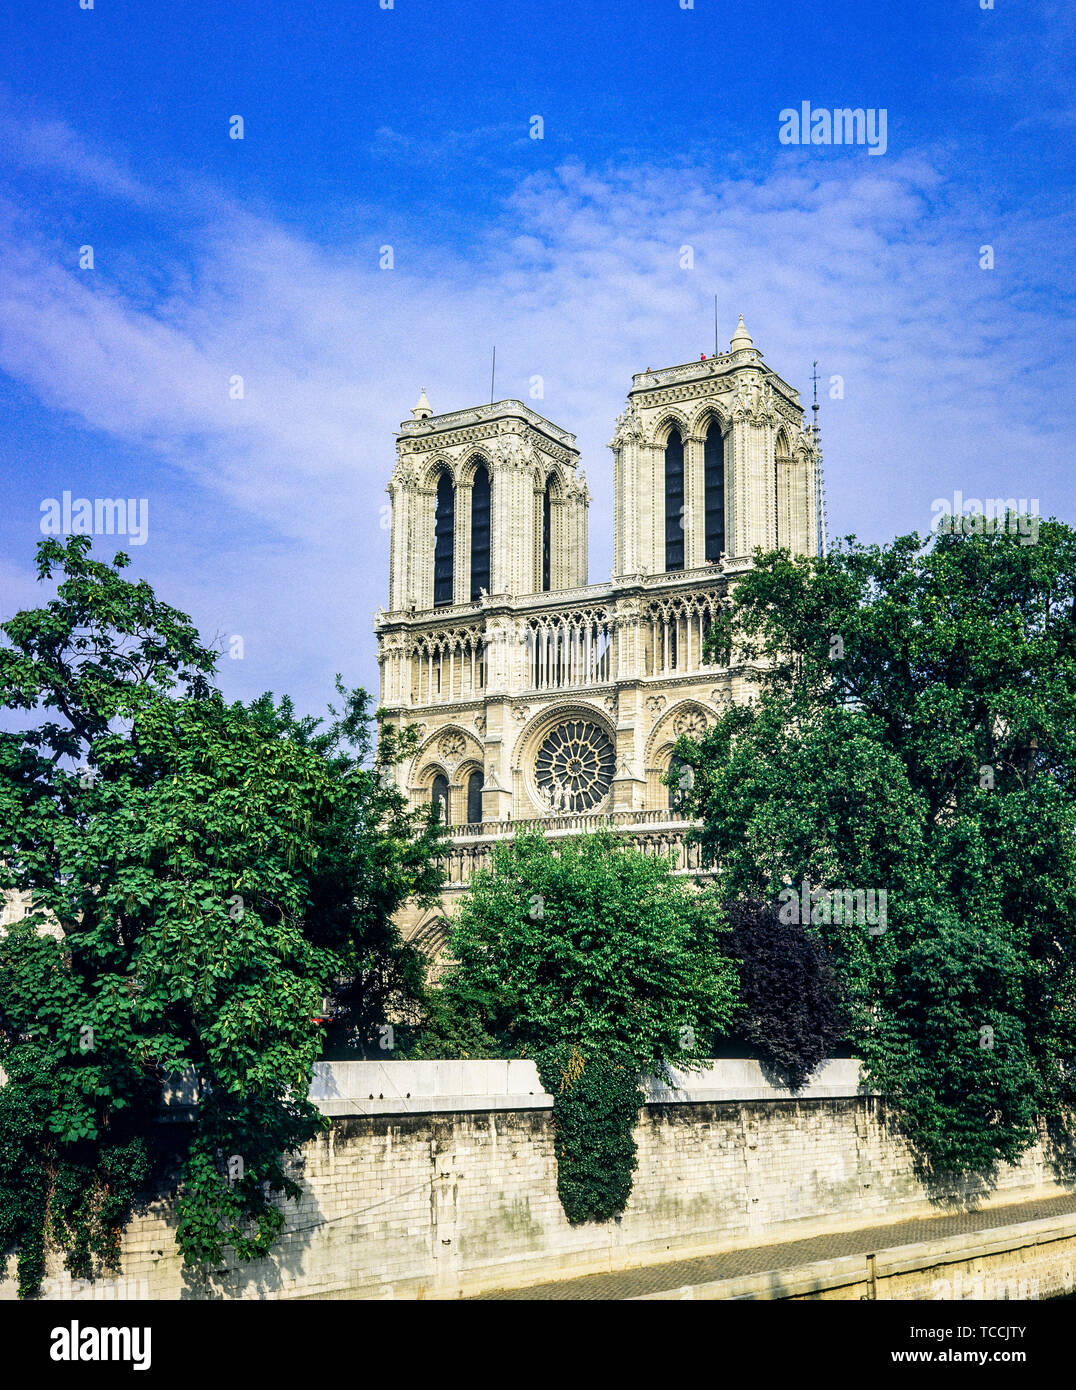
[820, 486]
[717, 344]
[493, 374]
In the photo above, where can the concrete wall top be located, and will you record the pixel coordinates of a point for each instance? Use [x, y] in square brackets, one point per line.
[401, 1087]
[404, 1088]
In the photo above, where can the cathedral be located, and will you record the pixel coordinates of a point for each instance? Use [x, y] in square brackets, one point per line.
[543, 700]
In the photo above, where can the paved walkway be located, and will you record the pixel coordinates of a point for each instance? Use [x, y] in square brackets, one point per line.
[628, 1283]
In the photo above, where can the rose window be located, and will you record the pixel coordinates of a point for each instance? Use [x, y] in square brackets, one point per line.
[575, 766]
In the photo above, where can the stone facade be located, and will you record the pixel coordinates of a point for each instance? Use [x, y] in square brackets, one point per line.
[545, 700]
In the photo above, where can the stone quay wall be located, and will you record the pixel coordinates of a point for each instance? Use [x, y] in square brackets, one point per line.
[438, 1180]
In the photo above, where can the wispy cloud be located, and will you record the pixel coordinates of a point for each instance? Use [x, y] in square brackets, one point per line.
[481, 142]
[954, 376]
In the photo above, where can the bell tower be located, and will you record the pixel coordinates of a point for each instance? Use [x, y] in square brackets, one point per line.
[711, 459]
[485, 501]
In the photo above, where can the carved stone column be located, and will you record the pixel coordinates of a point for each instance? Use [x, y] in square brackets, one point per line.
[694, 503]
[625, 445]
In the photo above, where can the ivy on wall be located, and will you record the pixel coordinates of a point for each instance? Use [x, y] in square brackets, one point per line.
[595, 1105]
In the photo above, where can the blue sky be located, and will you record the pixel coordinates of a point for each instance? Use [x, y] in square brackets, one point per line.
[410, 127]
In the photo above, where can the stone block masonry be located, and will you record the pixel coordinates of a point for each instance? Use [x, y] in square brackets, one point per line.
[435, 1203]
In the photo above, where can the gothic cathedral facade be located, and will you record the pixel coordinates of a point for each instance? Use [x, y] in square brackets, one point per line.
[543, 700]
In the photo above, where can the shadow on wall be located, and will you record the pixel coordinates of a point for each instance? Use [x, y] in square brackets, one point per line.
[276, 1273]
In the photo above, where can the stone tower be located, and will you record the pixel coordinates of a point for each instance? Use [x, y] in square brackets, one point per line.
[729, 434]
[495, 489]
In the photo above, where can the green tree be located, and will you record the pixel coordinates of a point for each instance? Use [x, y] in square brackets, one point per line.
[595, 960]
[590, 942]
[209, 871]
[915, 732]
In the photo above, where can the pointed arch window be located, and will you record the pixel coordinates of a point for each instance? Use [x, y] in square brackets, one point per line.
[480, 529]
[475, 783]
[674, 502]
[714, 479]
[547, 544]
[444, 541]
[439, 797]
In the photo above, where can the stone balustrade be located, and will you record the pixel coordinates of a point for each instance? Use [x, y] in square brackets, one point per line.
[653, 832]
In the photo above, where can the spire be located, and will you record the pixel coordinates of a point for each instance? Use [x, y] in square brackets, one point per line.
[741, 339]
[423, 410]
[820, 484]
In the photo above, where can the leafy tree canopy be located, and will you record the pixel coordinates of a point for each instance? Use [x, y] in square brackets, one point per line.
[588, 942]
[915, 733]
[213, 870]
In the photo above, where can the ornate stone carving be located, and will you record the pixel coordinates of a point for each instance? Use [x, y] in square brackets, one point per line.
[510, 451]
[556, 799]
[403, 474]
[629, 427]
[764, 412]
[692, 723]
[451, 746]
[521, 713]
[480, 724]
[655, 704]
[577, 490]
[803, 446]
[741, 402]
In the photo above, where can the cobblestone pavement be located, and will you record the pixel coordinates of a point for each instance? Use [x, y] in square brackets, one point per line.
[730, 1264]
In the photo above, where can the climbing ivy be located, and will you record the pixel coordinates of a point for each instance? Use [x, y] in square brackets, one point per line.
[595, 1106]
[74, 1196]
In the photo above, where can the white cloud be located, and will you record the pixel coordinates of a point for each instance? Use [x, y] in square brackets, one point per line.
[954, 376]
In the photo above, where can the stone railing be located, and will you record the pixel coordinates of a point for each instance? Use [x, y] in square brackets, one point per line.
[612, 820]
[711, 366]
[687, 371]
[689, 579]
[583, 596]
[477, 414]
[653, 832]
